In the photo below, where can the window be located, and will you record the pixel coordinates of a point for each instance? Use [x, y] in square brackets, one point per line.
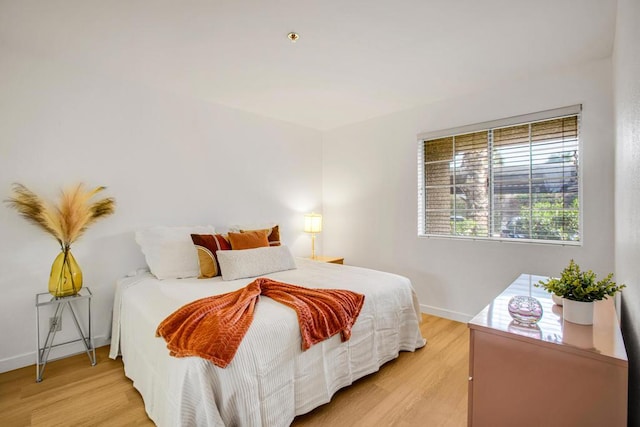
[515, 178]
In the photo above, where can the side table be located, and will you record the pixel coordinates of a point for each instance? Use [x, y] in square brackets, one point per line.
[45, 299]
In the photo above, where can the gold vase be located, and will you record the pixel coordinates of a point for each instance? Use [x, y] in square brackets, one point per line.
[66, 277]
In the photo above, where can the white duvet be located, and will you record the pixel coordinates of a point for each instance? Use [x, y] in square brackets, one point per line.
[270, 380]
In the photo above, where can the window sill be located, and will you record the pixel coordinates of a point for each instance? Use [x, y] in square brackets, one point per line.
[504, 240]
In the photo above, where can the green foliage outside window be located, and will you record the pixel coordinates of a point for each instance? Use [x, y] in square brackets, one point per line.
[550, 221]
[465, 227]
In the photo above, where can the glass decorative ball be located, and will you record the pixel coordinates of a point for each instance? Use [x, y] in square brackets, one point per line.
[525, 310]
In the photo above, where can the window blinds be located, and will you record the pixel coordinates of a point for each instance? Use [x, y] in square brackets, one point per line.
[456, 185]
[518, 180]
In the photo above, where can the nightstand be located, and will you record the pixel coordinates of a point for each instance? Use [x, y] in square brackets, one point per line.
[45, 299]
[329, 259]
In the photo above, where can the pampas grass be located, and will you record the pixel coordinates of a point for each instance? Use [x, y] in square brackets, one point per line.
[67, 221]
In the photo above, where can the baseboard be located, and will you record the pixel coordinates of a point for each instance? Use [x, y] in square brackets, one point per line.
[29, 359]
[447, 314]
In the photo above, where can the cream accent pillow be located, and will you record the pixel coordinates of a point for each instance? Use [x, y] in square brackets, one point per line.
[169, 251]
[255, 262]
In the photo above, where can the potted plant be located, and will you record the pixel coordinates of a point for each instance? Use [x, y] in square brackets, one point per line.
[579, 289]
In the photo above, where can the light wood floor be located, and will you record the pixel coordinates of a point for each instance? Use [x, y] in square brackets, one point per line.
[428, 387]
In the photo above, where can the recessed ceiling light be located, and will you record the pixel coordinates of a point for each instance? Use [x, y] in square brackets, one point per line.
[293, 36]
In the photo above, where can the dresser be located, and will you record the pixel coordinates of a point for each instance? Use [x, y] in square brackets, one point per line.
[552, 374]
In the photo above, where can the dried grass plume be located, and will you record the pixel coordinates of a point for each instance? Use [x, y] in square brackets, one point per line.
[67, 221]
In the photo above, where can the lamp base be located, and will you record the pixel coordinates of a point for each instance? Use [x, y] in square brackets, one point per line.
[313, 245]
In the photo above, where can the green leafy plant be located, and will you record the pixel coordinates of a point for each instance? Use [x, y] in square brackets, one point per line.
[581, 286]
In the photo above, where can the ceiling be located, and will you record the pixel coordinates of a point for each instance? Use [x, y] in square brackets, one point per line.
[355, 59]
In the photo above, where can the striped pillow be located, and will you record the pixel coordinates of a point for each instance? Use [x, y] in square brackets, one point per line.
[207, 245]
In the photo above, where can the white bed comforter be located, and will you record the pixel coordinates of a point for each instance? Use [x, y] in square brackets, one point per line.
[270, 380]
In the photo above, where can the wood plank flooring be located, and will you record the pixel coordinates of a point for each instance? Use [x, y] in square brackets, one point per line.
[428, 387]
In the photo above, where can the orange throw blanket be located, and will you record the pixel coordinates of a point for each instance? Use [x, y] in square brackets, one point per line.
[213, 327]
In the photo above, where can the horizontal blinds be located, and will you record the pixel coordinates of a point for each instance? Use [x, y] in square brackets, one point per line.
[518, 181]
[455, 181]
[438, 181]
[535, 180]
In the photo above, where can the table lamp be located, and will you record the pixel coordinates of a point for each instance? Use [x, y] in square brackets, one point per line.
[313, 225]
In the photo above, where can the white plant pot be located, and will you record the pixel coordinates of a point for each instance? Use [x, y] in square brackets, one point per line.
[556, 299]
[577, 312]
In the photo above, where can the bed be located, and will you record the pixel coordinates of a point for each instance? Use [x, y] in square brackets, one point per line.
[270, 380]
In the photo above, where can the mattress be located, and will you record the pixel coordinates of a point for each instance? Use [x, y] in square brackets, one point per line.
[270, 380]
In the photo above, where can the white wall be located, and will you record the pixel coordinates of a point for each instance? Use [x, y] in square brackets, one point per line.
[370, 190]
[166, 159]
[626, 67]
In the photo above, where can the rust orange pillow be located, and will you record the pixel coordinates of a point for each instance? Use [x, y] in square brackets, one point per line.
[273, 235]
[207, 245]
[249, 239]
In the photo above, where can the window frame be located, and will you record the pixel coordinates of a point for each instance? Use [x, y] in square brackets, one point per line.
[573, 110]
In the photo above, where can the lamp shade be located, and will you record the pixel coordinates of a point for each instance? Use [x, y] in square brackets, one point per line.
[312, 223]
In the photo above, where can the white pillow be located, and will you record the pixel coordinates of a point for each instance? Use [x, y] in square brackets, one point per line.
[243, 263]
[169, 251]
